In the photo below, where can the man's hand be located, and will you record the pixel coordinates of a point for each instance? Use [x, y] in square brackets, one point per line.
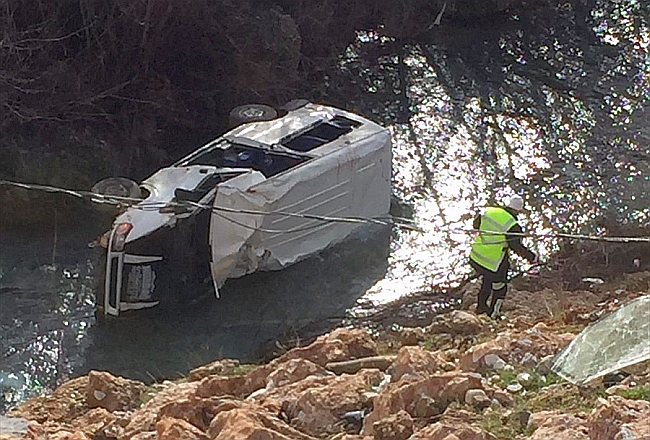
[534, 270]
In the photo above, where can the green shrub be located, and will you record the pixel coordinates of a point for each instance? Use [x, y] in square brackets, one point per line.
[641, 392]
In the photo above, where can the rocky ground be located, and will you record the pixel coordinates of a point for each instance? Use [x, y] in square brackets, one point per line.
[460, 377]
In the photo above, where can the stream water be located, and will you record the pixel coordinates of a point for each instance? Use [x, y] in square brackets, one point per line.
[543, 106]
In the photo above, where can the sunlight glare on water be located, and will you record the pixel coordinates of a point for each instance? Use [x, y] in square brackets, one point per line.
[575, 146]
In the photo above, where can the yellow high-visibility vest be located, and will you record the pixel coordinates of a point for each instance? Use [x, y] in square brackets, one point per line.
[490, 246]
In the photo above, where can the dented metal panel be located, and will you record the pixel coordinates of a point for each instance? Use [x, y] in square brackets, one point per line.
[162, 187]
[353, 181]
[229, 231]
[272, 132]
[266, 179]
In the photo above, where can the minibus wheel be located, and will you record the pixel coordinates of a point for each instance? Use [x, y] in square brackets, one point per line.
[251, 113]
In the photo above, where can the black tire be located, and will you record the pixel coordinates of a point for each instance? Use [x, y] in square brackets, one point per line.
[251, 113]
[117, 186]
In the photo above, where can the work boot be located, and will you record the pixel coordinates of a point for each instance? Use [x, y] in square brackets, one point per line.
[482, 300]
[495, 313]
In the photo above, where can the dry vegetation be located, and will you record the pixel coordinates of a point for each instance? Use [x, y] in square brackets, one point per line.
[92, 88]
[138, 65]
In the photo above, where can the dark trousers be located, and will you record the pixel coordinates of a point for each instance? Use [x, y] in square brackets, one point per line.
[492, 284]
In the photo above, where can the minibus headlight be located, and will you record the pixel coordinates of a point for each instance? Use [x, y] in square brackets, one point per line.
[119, 236]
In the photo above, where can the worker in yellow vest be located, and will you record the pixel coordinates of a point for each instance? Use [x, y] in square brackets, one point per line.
[489, 254]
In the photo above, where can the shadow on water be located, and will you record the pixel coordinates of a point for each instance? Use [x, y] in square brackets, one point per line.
[49, 332]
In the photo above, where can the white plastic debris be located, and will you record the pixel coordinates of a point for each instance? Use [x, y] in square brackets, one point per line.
[593, 280]
[523, 378]
[616, 341]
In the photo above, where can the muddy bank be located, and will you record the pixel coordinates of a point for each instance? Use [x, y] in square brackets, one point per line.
[461, 377]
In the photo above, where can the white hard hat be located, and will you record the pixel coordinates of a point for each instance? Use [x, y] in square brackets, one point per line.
[516, 203]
